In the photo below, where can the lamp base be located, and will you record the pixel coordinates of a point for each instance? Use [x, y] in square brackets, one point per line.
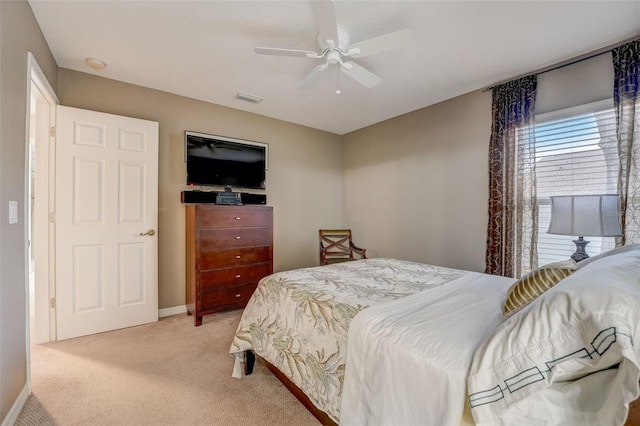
[580, 253]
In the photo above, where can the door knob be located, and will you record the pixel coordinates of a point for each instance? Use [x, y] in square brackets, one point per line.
[150, 233]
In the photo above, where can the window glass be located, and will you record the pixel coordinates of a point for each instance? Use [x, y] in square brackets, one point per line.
[576, 154]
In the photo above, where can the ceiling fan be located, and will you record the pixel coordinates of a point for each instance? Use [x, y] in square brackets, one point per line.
[334, 46]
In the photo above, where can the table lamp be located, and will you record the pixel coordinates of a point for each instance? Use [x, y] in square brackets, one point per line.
[584, 215]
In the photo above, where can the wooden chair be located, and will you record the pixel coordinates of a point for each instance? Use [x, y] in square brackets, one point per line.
[336, 246]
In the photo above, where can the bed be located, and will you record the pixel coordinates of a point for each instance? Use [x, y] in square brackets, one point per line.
[430, 345]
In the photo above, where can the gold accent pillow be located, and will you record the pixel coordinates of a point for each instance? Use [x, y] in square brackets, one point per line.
[532, 285]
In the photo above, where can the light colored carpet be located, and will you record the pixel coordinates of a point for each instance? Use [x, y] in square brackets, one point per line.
[165, 373]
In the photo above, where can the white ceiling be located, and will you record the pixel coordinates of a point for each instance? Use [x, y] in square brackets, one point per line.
[204, 49]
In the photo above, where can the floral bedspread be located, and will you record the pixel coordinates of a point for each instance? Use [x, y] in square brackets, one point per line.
[298, 320]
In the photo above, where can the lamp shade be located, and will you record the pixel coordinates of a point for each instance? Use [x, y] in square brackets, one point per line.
[585, 215]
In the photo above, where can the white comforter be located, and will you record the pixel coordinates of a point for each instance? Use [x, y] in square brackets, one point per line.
[408, 360]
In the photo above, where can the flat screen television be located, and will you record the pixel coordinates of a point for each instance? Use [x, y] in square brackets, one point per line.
[222, 161]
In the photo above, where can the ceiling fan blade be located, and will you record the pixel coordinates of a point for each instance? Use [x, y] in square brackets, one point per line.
[285, 52]
[324, 12]
[360, 74]
[313, 76]
[379, 44]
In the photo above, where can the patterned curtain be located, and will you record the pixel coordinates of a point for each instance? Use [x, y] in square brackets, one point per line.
[626, 65]
[512, 233]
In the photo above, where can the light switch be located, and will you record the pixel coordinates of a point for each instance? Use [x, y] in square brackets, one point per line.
[13, 212]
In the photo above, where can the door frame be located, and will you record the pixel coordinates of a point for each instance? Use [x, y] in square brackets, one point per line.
[45, 284]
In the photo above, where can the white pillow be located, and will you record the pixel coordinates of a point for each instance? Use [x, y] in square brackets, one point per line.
[538, 363]
[617, 250]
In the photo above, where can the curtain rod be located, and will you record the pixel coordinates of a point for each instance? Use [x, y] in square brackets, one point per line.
[568, 62]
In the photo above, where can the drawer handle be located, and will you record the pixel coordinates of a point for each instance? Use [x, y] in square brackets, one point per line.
[237, 295]
[237, 218]
[238, 237]
[238, 257]
[238, 276]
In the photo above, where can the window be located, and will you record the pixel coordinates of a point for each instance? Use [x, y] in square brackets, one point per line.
[576, 153]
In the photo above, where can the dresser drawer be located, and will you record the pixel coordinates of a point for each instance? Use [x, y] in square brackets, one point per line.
[235, 257]
[238, 296]
[213, 217]
[233, 276]
[228, 250]
[231, 238]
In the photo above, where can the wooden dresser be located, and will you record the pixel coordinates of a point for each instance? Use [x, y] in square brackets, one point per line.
[229, 249]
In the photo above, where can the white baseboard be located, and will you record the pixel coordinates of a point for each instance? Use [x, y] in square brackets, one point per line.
[16, 408]
[167, 312]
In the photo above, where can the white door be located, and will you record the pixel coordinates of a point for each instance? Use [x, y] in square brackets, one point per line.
[106, 220]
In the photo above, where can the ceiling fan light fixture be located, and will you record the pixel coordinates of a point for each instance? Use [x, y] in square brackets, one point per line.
[249, 98]
[333, 57]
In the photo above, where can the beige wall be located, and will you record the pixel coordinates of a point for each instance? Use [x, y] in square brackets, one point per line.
[304, 180]
[416, 188]
[19, 33]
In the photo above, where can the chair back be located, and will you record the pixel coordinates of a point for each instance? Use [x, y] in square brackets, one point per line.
[336, 243]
